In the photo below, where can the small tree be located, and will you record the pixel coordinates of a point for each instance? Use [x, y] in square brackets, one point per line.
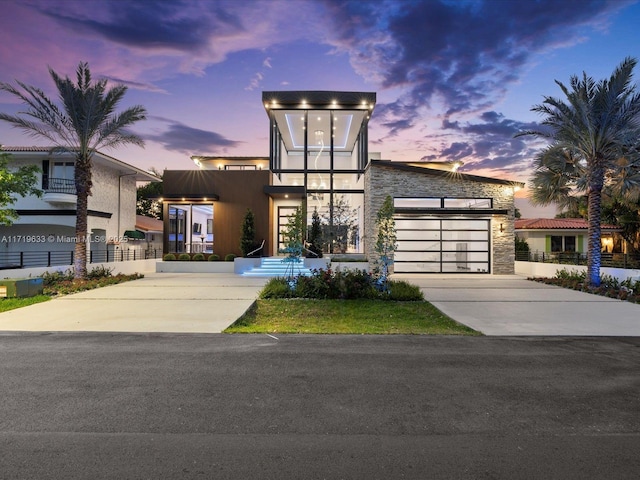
[522, 248]
[340, 223]
[315, 234]
[293, 236]
[386, 240]
[248, 238]
[17, 182]
[148, 206]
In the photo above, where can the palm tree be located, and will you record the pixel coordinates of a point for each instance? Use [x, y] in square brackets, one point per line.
[84, 122]
[594, 136]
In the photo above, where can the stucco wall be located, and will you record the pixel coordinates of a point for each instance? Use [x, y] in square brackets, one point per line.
[537, 239]
[380, 181]
[538, 269]
[111, 193]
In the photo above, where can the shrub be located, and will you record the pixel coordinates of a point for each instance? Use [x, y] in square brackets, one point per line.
[352, 284]
[214, 257]
[49, 278]
[184, 257]
[347, 285]
[169, 257]
[198, 257]
[100, 272]
[574, 275]
[276, 288]
[401, 291]
[316, 285]
[229, 257]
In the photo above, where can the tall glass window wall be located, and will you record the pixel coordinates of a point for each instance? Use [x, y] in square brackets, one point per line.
[320, 150]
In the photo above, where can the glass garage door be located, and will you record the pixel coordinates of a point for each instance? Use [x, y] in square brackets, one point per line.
[429, 244]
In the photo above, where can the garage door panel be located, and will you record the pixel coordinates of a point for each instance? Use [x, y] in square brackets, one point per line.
[419, 246]
[464, 224]
[417, 235]
[466, 235]
[467, 267]
[468, 246]
[417, 224]
[417, 256]
[417, 267]
[465, 256]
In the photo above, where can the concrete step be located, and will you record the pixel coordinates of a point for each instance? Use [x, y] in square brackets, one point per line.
[276, 267]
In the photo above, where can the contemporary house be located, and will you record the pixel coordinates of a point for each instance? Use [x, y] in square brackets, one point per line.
[319, 160]
[45, 231]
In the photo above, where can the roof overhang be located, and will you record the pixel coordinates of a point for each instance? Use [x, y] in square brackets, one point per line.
[426, 170]
[324, 117]
[187, 198]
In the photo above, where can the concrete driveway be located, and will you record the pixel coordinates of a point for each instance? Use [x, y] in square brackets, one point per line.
[513, 305]
[208, 303]
[159, 302]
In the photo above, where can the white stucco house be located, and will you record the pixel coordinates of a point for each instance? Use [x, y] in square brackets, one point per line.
[44, 233]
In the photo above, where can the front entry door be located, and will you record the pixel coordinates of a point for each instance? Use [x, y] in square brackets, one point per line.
[283, 220]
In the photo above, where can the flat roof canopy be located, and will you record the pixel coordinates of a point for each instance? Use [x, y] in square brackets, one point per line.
[348, 109]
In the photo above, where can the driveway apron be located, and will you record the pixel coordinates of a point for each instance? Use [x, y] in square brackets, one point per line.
[513, 305]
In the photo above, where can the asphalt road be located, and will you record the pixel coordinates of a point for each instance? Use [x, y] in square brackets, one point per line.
[171, 406]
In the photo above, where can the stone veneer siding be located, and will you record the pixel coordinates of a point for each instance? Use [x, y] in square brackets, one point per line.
[380, 181]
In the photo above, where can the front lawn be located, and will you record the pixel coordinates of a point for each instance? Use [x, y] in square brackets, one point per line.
[7, 304]
[346, 317]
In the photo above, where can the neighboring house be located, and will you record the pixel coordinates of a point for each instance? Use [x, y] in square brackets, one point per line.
[147, 235]
[565, 235]
[318, 158]
[44, 233]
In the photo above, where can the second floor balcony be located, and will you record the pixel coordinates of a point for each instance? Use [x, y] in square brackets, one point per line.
[59, 191]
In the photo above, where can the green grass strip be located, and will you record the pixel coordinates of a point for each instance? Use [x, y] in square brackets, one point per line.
[7, 304]
[346, 317]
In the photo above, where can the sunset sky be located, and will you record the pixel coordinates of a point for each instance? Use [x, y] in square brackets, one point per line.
[455, 79]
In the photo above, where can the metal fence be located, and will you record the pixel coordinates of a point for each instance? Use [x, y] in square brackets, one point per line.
[54, 259]
[617, 260]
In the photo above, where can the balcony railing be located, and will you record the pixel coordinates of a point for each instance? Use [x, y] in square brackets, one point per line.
[616, 260]
[59, 185]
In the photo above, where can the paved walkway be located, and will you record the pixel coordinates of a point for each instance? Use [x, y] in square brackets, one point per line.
[208, 303]
[512, 305]
[160, 302]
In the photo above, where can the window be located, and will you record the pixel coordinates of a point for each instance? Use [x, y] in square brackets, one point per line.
[570, 244]
[417, 202]
[560, 243]
[63, 170]
[467, 203]
[556, 243]
[59, 178]
[438, 202]
[240, 167]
